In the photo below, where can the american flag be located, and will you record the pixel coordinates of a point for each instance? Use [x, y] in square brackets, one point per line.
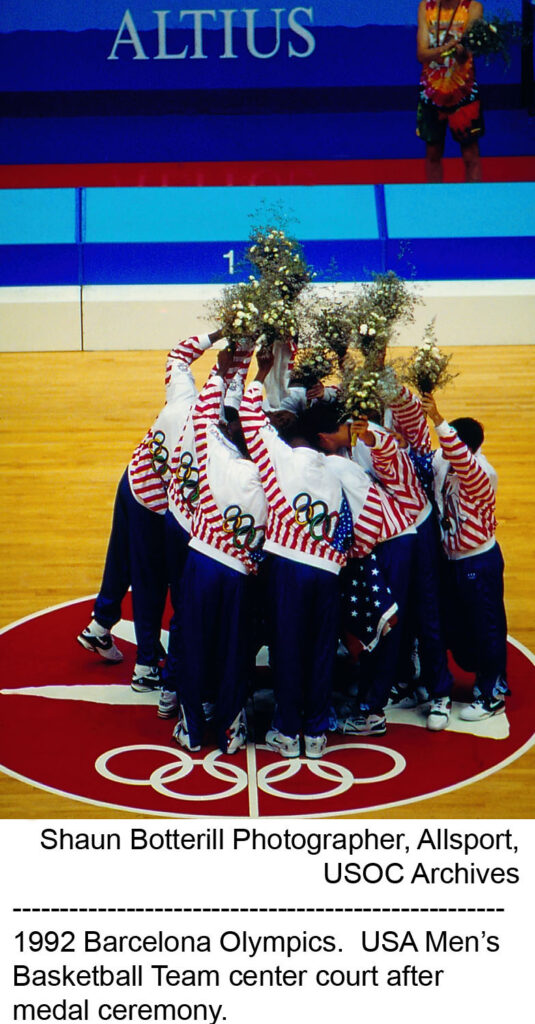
[367, 602]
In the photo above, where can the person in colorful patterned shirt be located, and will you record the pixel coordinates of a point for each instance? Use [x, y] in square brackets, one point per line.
[449, 93]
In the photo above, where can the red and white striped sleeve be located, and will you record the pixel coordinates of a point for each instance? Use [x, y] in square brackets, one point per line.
[473, 478]
[410, 420]
[368, 526]
[235, 377]
[394, 469]
[181, 357]
[206, 411]
[382, 517]
[253, 419]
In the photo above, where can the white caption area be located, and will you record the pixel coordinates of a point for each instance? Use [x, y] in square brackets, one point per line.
[234, 922]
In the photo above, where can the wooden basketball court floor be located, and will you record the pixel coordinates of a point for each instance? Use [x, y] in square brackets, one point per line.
[69, 425]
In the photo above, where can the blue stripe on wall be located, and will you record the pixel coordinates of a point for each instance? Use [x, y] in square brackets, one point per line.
[452, 211]
[211, 213]
[443, 259]
[39, 265]
[37, 215]
[205, 263]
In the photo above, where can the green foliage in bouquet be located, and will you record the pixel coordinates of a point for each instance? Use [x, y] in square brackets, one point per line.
[280, 260]
[237, 312]
[313, 363]
[386, 301]
[263, 308]
[371, 335]
[366, 391]
[390, 296]
[489, 39]
[328, 320]
[255, 311]
[426, 369]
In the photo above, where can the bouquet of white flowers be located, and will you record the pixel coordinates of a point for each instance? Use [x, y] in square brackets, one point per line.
[427, 367]
[488, 39]
[334, 324]
[312, 363]
[254, 310]
[280, 260]
[391, 297]
[366, 391]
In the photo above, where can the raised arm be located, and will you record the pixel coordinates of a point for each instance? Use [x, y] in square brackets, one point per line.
[253, 417]
[471, 474]
[410, 420]
[178, 376]
[207, 413]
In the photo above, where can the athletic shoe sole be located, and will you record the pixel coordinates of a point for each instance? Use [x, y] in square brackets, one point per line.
[482, 717]
[435, 723]
[281, 751]
[236, 744]
[315, 754]
[343, 730]
[167, 714]
[111, 654]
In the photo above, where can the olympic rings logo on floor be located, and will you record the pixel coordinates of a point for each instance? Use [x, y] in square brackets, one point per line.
[183, 764]
[344, 779]
[176, 770]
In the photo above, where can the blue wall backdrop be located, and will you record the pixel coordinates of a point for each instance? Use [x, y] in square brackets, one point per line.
[102, 83]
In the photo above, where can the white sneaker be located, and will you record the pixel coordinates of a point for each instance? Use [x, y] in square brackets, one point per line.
[146, 678]
[315, 745]
[439, 714]
[412, 699]
[168, 704]
[237, 734]
[480, 709]
[101, 643]
[288, 746]
[363, 725]
[181, 735]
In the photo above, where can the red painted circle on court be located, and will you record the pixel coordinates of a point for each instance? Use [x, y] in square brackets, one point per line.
[70, 724]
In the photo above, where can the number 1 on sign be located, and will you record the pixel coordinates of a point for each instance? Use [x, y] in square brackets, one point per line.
[230, 257]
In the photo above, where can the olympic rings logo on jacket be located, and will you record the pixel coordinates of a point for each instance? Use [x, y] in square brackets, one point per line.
[246, 535]
[187, 475]
[315, 514]
[159, 454]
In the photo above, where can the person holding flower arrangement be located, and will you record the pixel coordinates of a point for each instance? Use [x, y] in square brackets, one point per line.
[425, 611]
[136, 554]
[309, 528]
[183, 497]
[375, 580]
[465, 494]
[449, 95]
[225, 548]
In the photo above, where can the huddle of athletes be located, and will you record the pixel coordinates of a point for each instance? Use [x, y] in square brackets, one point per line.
[312, 534]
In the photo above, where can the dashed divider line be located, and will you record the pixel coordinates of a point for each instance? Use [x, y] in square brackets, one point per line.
[258, 910]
